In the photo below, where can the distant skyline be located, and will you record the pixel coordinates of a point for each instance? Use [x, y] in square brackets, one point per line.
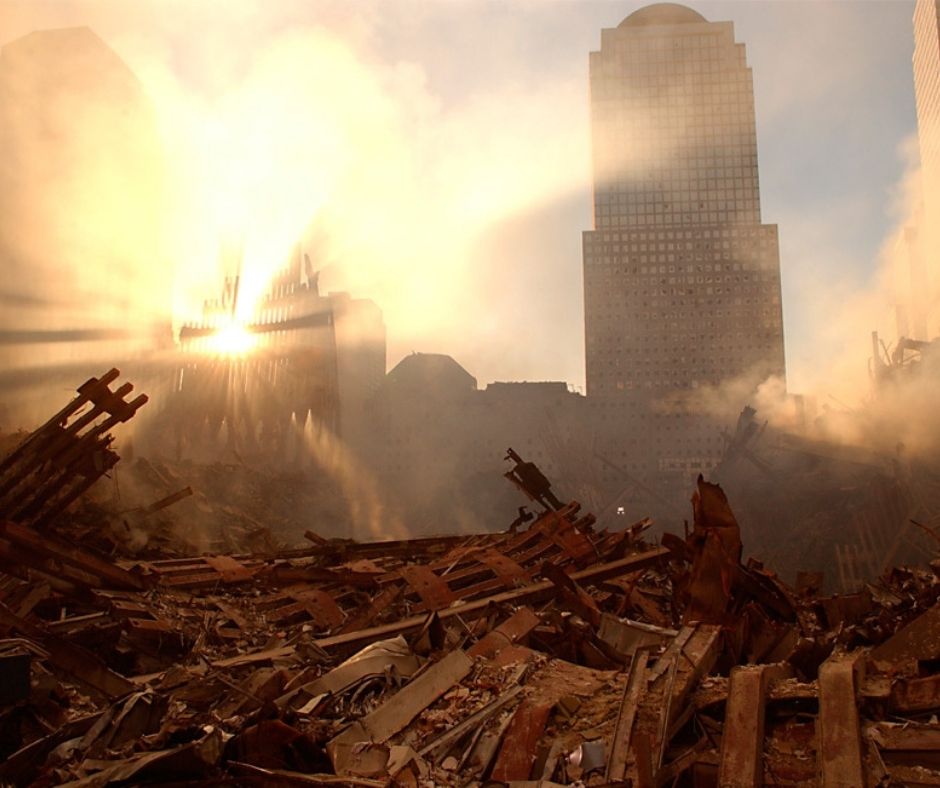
[503, 87]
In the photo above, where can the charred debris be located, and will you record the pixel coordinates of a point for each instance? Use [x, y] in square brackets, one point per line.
[858, 511]
[553, 653]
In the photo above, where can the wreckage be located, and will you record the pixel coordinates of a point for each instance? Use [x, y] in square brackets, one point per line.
[552, 653]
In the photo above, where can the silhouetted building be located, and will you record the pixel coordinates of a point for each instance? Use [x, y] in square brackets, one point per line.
[440, 442]
[681, 279]
[304, 363]
[82, 232]
[82, 179]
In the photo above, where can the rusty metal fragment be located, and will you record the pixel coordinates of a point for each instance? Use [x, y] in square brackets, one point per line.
[512, 631]
[839, 755]
[916, 695]
[528, 478]
[433, 590]
[920, 639]
[716, 554]
[517, 754]
[623, 733]
[64, 457]
[625, 637]
[742, 739]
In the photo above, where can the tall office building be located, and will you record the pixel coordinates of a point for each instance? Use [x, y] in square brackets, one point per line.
[927, 94]
[681, 279]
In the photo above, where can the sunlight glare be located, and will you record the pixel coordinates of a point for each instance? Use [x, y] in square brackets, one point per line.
[232, 340]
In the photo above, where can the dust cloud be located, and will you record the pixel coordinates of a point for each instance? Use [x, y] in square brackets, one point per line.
[160, 149]
[865, 394]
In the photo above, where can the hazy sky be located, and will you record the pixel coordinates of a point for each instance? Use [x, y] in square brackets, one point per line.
[484, 108]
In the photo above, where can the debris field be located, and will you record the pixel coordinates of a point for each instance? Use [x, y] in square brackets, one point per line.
[553, 653]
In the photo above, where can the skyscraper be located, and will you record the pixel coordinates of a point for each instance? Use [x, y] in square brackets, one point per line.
[927, 94]
[681, 279]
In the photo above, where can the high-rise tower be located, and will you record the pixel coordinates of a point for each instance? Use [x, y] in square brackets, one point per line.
[681, 279]
[927, 93]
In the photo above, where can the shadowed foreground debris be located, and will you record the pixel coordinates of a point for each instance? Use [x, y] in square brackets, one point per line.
[549, 654]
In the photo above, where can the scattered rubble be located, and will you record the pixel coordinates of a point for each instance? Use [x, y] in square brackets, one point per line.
[552, 653]
[854, 512]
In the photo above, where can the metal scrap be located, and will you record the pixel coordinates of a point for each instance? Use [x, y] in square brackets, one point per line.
[553, 651]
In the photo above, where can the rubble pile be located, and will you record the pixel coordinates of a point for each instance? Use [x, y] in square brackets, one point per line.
[855, 511]
[191, 508]
[553, 653]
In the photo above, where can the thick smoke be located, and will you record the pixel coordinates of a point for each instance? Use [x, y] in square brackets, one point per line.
[82, 194]
[303, 128]
[135, 157]
[859, 395]
[239, 123]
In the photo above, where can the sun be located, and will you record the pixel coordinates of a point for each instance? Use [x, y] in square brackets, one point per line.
[232, 340]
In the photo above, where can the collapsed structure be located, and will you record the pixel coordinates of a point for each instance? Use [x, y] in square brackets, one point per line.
[315, 361]
[552, 652]
[859, 486]
[858, 511]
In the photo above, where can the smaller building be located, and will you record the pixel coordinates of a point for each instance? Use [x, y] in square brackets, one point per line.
[440, 441]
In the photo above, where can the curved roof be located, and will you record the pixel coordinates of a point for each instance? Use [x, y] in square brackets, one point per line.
[662, 14]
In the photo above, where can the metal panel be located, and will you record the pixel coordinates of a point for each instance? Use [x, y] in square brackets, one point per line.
[433, 591]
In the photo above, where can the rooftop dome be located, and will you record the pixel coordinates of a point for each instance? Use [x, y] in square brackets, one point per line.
[662, 14]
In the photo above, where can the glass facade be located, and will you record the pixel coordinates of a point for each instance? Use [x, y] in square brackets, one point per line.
[681, 279]
[673, 128]
[927, 92]
[927, 85]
